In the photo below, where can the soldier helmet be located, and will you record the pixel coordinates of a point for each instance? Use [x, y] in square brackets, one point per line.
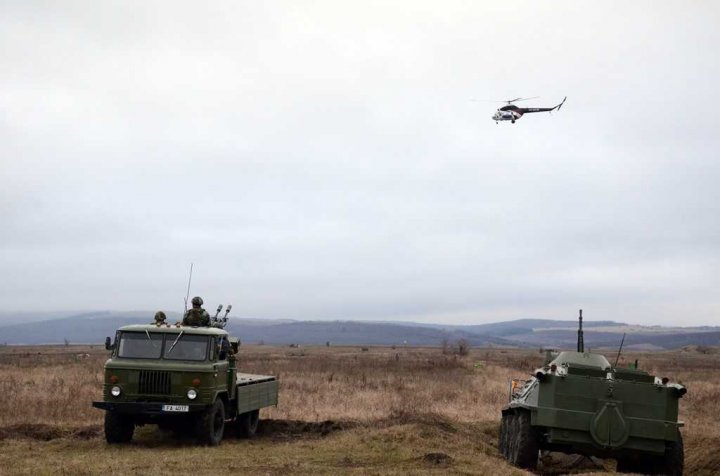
[197, 301]
[160, 316]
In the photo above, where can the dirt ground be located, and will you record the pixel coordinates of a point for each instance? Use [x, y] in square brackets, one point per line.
[342, 410]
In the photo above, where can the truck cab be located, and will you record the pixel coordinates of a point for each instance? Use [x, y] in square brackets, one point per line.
[181, 378]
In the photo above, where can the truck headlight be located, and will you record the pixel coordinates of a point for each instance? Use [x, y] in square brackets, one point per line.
[192, 394]
[115, 391]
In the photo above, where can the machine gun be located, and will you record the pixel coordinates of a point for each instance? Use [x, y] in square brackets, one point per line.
[220, 322]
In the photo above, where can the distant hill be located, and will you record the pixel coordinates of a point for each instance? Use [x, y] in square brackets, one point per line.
[563, 339]
[528, 326]
[92, 327]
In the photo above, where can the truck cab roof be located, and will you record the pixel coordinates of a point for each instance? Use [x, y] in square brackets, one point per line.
[172, 329]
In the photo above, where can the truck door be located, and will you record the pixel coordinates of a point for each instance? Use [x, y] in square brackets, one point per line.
[221, 366]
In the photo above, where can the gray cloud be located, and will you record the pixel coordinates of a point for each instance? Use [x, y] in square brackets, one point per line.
[324, 160]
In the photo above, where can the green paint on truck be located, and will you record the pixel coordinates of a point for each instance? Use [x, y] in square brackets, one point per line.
[181, 378]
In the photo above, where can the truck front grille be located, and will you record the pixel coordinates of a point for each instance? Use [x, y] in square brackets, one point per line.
[153, 382]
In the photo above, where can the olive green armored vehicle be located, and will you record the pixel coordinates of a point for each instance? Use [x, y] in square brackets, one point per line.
[181, 378]
[578, 403]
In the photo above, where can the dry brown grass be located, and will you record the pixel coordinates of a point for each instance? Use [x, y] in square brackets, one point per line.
[416, 398]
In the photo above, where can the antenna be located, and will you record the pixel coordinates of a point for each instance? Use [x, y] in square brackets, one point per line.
[187, 296]
[619, 351]
[581, 341]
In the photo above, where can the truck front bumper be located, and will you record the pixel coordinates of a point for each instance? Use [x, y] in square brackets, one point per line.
[146, 408]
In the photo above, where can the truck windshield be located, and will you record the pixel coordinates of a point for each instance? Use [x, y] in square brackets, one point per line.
[187, 347]
[140, 345]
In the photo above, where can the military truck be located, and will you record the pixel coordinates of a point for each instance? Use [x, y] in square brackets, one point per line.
[183, 379]
[578, 403]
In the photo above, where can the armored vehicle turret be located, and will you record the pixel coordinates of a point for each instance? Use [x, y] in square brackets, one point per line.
[578, 403]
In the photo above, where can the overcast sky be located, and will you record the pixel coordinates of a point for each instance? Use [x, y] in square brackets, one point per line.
[326, 160]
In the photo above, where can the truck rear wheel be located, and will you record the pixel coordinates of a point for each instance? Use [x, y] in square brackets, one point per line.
[119, 428]
[210, 425]
[246, 423]
[525, 442]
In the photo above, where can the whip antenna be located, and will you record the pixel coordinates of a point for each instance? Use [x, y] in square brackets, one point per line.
[619, 350]
[187, 295]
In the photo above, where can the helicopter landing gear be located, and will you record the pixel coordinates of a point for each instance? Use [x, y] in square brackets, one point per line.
[513, 121]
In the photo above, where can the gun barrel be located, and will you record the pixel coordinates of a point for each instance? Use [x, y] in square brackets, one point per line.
[581, 341]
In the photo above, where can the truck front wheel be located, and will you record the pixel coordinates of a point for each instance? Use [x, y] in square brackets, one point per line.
[211, 424]
[246, 423]
[119, 428]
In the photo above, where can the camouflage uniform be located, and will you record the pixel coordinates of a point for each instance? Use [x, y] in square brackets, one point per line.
[197, 316]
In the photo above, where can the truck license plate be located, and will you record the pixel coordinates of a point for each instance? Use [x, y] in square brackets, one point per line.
[175, 408]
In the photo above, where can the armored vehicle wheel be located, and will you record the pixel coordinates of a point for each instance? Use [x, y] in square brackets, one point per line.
[674, 459]
[671, 463]
[246, 424]
[119, 428]
[502, 444]
[525, 442]
[511, 436]
[210, 425]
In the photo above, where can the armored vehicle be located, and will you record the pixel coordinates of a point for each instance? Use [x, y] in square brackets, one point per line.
[181, 378]
[578, 403]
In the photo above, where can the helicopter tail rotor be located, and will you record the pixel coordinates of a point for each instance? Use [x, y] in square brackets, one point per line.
[561, 104]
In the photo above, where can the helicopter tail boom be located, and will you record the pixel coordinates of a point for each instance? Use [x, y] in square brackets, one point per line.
[541, 109]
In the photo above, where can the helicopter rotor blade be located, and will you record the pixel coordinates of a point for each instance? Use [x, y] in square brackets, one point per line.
[504, 100]
[521, 99]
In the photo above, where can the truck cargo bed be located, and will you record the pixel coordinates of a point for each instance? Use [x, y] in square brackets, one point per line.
[247, 379]
[255, 392]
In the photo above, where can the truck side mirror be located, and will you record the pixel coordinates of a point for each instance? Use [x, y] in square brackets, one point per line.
[108, 344]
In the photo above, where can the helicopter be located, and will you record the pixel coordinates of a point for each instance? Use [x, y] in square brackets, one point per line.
[512, 113]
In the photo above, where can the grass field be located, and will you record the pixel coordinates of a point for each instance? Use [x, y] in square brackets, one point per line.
[341, 410]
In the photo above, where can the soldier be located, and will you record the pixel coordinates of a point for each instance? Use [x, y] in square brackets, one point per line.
[197, 316]
[160, 318]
